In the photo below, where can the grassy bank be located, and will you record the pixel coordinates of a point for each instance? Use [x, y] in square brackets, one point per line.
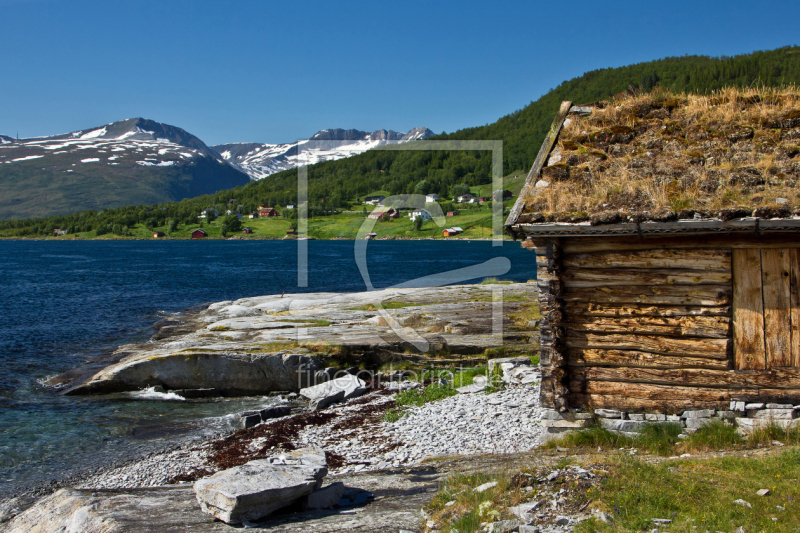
[476, 222]
[623, 492]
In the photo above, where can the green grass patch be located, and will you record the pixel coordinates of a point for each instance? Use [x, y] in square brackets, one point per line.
[308, 322]
[698, 495]
[419, 397]
[716, 435]
[392, 415]
[385, 305]
[773, 432]
[469, 509]
[495, 281]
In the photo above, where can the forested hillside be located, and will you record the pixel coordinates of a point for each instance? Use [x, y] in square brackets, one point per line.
[337, 184]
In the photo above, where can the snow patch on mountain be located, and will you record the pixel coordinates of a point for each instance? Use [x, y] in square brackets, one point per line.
[165, 144]
[261, 160]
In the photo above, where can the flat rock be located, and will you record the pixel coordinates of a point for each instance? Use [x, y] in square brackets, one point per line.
[608, 413]
[229, 373]
[485, 486]
[399, 497]
[256, 489]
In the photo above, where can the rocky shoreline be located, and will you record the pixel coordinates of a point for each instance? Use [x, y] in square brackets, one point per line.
[456, 323]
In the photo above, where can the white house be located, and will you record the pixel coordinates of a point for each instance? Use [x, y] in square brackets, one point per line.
[421, 213]
[466, 198]
[430, 198]
[289, 206]
[208, 210]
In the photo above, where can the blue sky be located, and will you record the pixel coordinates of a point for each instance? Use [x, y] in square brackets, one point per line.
[278, 71]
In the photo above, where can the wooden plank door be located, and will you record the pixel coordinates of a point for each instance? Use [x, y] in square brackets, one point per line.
[766, 308]
[776, 269]
[749, 351]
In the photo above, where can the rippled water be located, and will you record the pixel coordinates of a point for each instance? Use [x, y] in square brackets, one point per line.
[64, 303]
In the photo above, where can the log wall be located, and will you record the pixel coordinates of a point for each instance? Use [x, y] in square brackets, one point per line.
[664, 328]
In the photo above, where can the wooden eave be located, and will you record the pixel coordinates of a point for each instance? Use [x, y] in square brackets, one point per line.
[751, 225]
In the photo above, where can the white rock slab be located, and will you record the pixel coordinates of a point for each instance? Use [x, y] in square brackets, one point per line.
[256, 489]
[343, 388]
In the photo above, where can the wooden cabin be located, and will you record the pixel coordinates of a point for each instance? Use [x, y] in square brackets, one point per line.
[158, 234]
[247, 231]
[266, 212]
[667, 242]
[199, 234]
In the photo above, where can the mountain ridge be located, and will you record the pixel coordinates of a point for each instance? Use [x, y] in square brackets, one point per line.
[259, 160]
[130, 161]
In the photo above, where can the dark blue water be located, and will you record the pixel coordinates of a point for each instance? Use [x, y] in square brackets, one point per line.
[64, 303]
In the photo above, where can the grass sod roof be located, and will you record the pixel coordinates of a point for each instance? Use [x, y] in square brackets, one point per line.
[665, 157]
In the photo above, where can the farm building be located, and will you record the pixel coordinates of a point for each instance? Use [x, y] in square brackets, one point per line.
[254, 214]
[449, 232]
[667, 242]
[158, 234]
[383, 213]
[452, 213]
[374, 200]
[199, 234]
[266, 212]
[247, 231]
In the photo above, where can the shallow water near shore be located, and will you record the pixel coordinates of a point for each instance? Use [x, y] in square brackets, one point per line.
[65, 303]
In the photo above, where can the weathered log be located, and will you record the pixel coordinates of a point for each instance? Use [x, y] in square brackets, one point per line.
[728, 379]
[625, 403]
[575, 309]
[650, 392]
[637, 359]
[678, 405]
[554, 256]
[711, 348]
[617, 244]
[694, 259]
[748, 311]
[701, 295]
[606, 277]
[716, 327]
[551, 286]
[776, 266]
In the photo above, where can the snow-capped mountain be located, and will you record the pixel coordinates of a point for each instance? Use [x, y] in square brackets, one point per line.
[261, 160]
[6, 140]
[147, 141]
[133, 161]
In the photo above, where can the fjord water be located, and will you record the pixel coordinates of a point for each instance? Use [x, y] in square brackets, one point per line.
[65, 303]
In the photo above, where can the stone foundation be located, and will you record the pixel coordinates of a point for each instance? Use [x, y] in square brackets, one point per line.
[746, 416]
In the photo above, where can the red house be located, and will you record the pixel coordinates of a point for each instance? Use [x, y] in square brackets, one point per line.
[158, 234]
[199, 234]
[267, 212]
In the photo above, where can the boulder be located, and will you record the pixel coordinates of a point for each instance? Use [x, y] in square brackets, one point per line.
[339, 389]
[248, 419]
[256, 489]
[276, 411]
[326, 497]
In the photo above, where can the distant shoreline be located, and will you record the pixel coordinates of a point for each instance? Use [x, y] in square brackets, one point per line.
[240, 239]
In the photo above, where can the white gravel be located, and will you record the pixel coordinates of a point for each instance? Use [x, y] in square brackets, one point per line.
[465, 424]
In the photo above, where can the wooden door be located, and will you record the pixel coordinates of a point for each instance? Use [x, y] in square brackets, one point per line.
[766, 308]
